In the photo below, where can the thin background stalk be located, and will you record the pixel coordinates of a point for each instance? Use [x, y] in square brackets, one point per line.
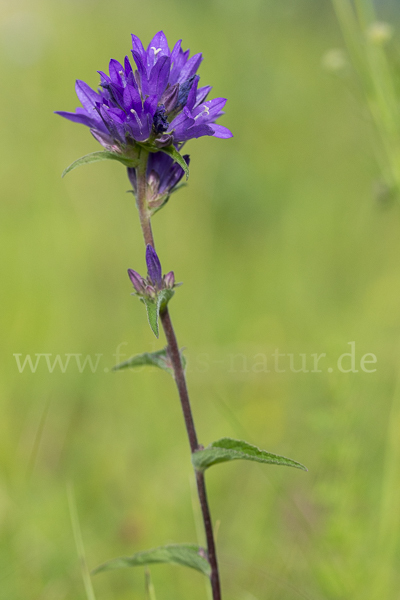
[377, 79]
[180, 380]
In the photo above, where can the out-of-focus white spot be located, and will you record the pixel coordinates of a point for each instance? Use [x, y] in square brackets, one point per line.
[379, 32]
[334, 60]
[24, 37]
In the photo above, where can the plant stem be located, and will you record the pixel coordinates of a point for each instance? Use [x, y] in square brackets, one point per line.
[141, 203]
[180, 380]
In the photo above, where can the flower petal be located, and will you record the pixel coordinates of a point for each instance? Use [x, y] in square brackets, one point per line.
[190, 68]
[182, 135]
[137, 47]
[159, 76]
[220, 131]
[150, 105]
[159, 42]
[86, 95]
[202, 94]
[116, 69]
[84, 119]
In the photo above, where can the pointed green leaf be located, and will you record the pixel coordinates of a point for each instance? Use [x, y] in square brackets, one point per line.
[155, 306]
[173, 153]
[228, 449]
[163, 297]
[187, 555]
[158, 359]
[152, 308]
[102, 155]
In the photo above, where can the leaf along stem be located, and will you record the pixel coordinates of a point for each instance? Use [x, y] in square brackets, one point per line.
[180, 380]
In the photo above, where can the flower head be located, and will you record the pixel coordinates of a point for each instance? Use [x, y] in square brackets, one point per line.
[159, 103]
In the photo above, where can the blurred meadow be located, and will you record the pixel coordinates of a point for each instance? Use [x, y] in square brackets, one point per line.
[283, 242]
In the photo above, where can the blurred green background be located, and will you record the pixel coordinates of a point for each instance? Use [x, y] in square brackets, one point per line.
[281, 244]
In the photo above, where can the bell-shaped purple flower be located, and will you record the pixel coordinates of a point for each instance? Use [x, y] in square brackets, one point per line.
[158, 104]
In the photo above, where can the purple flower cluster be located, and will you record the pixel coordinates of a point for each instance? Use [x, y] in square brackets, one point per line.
[155, 281]
[159, 103]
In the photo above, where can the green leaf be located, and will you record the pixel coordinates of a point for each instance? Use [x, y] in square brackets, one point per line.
[152, 314]
[158, 359]
[163, 297]
[102, 155]
[173, 153]
[155, 306]
[187, 555]
[228, 449]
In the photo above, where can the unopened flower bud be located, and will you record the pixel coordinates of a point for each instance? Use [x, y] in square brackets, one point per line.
[169, 279]
[137, 281]
[170, 97]
[153, 182]
[153, 266]
[150, 291]
[163, 140]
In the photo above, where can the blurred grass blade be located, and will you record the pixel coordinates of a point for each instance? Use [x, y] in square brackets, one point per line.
[102, 155]
[227, 449]
[79, 544]
[187, 555]
[158, 359]
[150, 591]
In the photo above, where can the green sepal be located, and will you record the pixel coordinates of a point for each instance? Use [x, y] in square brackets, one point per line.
[158, 359]
[128, 161]
[187, 555]
[227, 449]
[155, 306]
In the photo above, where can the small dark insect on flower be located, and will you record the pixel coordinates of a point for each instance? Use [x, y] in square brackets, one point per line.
[159, 103]
[155, 281]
